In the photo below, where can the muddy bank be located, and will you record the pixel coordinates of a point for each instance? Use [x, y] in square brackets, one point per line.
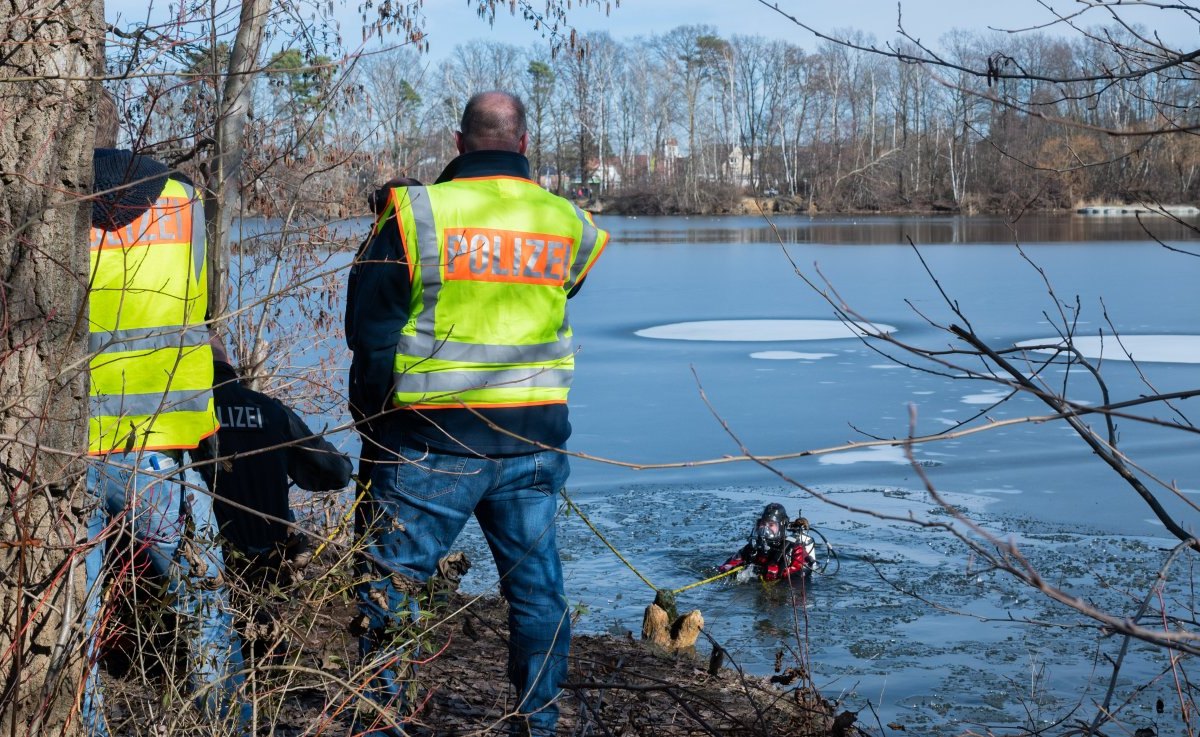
[617, 686]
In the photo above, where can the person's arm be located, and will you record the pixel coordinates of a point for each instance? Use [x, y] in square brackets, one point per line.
[352, 291]
[730, 564]
[377, 306]
[312, 462]
[799, 559]
[381, 244]
[739, 558]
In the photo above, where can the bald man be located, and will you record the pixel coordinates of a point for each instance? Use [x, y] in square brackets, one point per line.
[463, 358]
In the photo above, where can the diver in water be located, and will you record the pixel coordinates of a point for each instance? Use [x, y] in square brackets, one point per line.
[771, 552]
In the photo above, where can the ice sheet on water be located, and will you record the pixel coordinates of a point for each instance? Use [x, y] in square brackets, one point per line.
[1142, 348]
[874, 454]
[984, 398]
[790, 356]
[761, 330]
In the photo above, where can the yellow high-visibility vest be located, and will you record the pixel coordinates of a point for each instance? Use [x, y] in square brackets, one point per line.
[151, 364]
[491, 261]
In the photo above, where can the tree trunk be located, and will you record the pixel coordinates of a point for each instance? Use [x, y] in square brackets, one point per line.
[49, 50]
[223, 178]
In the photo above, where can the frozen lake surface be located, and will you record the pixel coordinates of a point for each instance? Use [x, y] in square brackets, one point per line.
[699, 341]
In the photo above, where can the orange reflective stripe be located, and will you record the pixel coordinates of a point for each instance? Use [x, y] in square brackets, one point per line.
[168, 221]
[513, 256]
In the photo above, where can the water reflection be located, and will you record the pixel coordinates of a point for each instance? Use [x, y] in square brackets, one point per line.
[816, 229]
[899, 229]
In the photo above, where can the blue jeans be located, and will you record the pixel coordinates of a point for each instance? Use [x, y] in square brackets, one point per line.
[146, 495]
[418, 503]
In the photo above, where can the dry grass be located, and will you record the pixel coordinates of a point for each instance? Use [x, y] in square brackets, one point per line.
[617, 685]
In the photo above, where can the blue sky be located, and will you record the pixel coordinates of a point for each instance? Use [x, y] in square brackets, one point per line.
[925, 18]
[452, 22]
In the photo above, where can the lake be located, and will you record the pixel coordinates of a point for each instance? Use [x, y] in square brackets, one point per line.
[698, 339]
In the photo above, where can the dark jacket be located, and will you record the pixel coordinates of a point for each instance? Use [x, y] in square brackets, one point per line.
[377, 306]
[251, 421]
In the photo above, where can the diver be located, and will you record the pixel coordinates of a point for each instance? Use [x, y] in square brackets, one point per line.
[776, 549]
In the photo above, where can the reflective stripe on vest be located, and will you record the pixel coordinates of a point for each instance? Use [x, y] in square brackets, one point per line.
[119, 405]
[147, 339]
[441, 382]
[592, 236]
[151, 365]
[521, 246]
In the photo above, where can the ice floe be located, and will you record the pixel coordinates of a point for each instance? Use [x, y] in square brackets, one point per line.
[873, 454]
[1143, 348]
[790, 356]
[761, 330]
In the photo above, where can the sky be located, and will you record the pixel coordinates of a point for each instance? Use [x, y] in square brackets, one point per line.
[454, 22]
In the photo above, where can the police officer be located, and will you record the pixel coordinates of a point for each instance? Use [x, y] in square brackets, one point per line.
[463, 357]
[151, 405]
[261, 444]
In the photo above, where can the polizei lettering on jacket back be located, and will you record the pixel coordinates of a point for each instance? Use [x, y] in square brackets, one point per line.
[240, 417]
[168, 221]
[489, 254]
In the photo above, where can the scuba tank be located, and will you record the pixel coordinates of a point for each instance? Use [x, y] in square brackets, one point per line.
[801, 532]
[798, 535]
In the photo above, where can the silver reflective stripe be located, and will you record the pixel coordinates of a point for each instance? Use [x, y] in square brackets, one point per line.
[147, 339]
[461, 381]
[138, 405]
[587, 244]
[198, 237]
[423, 343]
[482, 353]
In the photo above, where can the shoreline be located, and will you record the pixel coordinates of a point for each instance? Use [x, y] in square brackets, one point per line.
[632, 205]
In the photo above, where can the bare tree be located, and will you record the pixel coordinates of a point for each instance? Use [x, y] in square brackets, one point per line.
[395, 86]
[692, 55]
[50, 59]
[538, 84]
[222, 172]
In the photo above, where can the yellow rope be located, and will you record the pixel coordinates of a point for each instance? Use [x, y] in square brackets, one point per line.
[349, 516]
[629, 565]
[604, 540]
[346, 519]
[694, 584]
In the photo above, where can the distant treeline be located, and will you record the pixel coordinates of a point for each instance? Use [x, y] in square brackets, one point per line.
[690, 121]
